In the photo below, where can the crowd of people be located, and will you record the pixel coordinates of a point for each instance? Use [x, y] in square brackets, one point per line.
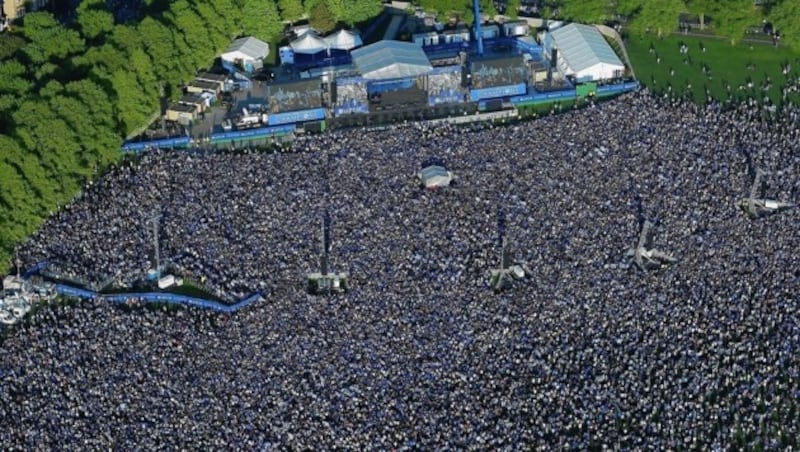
[588, 351]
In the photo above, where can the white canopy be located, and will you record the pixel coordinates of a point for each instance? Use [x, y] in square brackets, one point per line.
[246, 49]
[308, 44]
[435, 176]
[344, 40]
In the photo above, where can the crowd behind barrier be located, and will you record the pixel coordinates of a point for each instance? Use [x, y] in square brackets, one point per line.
[420, 353]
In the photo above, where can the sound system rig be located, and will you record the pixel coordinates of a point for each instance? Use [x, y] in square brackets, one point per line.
[494, 105]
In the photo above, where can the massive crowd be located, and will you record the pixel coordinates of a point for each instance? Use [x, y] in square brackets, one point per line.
[421, 353]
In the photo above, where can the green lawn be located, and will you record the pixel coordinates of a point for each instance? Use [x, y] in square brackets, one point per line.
[727, 65]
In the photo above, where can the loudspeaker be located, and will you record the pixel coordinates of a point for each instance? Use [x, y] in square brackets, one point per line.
[313, 127]
[494, 105]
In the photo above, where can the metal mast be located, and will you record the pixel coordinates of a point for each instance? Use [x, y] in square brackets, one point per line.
[478, 35]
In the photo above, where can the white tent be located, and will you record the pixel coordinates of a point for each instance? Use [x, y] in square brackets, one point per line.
[391, 59]
[308, 44]
[584, 53]
[344, 40]
[435, 176]
[246, 50]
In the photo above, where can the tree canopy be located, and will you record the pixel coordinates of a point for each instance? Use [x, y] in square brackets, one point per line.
[70, 93]
[784, 17]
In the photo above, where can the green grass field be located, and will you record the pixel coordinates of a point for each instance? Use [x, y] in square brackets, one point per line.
[727, 65]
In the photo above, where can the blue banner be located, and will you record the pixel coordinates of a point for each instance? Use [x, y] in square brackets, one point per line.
[179, 142]
[617, 88]
[296, 116]
[253, 133]
[540, 97]
[497, 91]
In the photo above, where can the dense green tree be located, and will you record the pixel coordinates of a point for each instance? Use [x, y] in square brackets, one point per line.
[14, 78]
[703, 8]
[733, 17]
[193, 30]
[159, 42]
[321, 17]
[95, 23]
[132, 111]
[52, 88]
[10, 43]
[19, 201]
[47, 39]
[47, 136]
[446, 7]
[512, 8]
[784, 17]
[218, 34]
[260, 18]
[488, 11]
[105, 56]
[229, 15]
[143, 67]
[628, 8]
[658, 16]
[8, 103]
[291, 10]
[585, 11]
[100, 138]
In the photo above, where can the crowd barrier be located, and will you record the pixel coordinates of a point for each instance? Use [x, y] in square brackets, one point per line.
[147, 297]
[608, 90]
[158, 297]
[179, 142]
[252, 133]
[571, 94]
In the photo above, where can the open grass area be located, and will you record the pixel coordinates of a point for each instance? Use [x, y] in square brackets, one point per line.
[749, 70]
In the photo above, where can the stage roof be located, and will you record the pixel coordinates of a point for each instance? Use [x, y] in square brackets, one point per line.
[391, 59]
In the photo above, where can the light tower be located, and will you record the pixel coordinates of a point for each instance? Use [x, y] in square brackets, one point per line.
[478, 35]
[324, 282]
[757, 207]
[502, 278]
[156, 253]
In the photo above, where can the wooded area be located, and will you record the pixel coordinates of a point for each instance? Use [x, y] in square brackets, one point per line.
[68, 94]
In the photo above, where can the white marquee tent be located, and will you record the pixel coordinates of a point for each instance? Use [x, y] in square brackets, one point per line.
[583, 53]
[344, 40]
[309, 44]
